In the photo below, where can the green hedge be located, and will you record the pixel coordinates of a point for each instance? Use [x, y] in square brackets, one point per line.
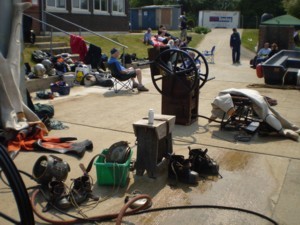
[202, 30]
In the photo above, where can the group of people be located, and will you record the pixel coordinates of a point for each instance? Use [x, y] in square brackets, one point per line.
[164, 37]
[262, 55]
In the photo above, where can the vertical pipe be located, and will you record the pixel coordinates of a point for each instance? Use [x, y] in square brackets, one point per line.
[51, 41]
[43, 16]
[6, 12]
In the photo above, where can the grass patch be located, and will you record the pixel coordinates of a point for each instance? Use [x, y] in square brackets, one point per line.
[132, 40]
[28, 49]
[135, 44]
[250, 39]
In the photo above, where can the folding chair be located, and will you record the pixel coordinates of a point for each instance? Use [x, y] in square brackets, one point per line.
[210, 55]
[119, 82]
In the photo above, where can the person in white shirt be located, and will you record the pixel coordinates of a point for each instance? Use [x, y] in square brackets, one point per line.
[263, 53]
[148, 36]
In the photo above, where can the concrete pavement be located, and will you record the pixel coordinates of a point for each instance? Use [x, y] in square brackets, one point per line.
[261, 175]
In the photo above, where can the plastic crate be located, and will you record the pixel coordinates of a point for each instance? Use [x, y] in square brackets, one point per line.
[62, 90]
[108, 173]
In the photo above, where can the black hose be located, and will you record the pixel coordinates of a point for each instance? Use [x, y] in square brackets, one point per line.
[138, 212]
[18, 188]
[208, 207]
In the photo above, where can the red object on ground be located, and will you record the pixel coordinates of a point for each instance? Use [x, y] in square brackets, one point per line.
[259, 71]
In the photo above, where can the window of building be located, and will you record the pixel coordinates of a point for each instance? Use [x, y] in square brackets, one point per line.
[80, 6]
[118, 7]
[56, 5]
[101, 6]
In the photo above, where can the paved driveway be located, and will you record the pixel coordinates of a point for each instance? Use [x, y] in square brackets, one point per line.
[261, 175]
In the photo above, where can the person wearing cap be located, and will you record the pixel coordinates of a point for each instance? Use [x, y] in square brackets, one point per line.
[127, 73]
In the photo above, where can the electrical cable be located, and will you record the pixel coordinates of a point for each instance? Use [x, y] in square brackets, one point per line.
[8, 218]
[100, 218]
[23, 172]
[209, 207]
[74, 203]
[107, 217]
[209, 119]
[141, 210]
[56, 208]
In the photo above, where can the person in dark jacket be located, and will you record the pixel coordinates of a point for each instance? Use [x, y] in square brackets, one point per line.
[235, 44]
[274, 50]
[183, 27]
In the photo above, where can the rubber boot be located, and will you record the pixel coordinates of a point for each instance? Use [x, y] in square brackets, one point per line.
[202, 163]
[180, 169]
[82, 190]
[58, 195]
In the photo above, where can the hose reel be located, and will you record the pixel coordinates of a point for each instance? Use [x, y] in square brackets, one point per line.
[177, 65]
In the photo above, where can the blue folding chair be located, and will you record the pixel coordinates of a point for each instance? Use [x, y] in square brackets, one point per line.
[210, 55]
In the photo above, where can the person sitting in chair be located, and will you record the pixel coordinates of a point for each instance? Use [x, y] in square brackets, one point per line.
[261, 56]
[274, 50]
[127, 73]
[187, 63]
[263, 53]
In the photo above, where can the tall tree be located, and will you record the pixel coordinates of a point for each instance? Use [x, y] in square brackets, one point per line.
[274, 7]
[139, 3]
[292, 7]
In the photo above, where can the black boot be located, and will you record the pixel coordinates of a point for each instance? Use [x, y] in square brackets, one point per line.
[202, 163]
[82, 190]
[180, 169]
[58, 195]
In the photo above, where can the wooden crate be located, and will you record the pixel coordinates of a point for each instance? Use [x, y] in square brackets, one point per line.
[181, 104]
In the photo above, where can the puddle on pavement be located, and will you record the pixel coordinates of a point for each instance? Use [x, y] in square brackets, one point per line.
[232, 161]
[205, 185]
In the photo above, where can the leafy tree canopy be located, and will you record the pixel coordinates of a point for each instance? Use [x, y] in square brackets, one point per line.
[292, 7]
[259, 7]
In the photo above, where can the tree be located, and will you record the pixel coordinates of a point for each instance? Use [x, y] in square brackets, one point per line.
[292, 7]
[274, 7]
[252, 15]
[139, 3]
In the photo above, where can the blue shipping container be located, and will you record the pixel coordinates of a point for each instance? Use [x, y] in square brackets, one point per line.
[149, 18]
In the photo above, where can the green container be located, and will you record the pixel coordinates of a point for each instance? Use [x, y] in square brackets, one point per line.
[108, 173]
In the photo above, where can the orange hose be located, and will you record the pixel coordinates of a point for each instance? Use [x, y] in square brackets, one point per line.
[119, 215]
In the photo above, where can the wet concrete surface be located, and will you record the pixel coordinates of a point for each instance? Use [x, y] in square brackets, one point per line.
[261, 175]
